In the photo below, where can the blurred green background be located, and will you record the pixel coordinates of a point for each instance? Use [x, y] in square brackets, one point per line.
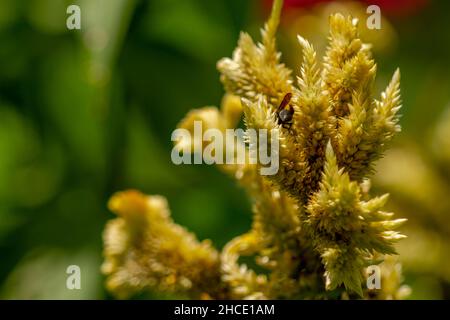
[85, 113]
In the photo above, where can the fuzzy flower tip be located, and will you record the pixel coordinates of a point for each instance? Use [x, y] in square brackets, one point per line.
[145, 250]
[346, 230]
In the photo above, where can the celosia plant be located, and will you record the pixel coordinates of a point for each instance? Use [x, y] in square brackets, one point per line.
[315, 228]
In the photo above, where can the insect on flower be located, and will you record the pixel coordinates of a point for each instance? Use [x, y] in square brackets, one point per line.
[285, 111]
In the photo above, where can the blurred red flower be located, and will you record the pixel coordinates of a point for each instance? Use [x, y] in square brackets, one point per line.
[388, 7]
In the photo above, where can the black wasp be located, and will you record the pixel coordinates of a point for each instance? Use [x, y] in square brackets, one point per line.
[285, 111]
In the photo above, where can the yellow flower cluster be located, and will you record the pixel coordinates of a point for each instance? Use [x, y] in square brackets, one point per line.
[145, 249]
[315, 227]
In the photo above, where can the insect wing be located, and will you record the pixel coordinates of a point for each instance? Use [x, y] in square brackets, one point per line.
[285, 102]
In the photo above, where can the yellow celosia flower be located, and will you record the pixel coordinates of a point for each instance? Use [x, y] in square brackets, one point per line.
[144, 249]
[315, 227]
[346, 230]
